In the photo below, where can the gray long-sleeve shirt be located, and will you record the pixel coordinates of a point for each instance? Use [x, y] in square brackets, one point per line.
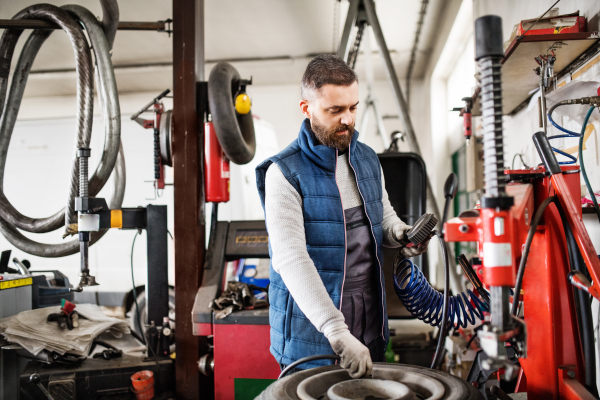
[290, 258]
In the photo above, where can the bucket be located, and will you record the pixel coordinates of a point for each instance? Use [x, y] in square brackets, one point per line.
[143, 385]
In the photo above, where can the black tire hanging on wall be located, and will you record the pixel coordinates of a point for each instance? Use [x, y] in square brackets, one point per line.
[235, 131]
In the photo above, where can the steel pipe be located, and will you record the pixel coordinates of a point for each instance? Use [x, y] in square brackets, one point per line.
[108, 96]
[399, 97]
[158, 26]
[85, 98]
[112, 157]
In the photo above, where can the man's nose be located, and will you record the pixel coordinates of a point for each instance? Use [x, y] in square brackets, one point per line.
[347, 118]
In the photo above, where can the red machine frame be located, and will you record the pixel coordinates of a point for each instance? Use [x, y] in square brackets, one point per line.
[553, 367]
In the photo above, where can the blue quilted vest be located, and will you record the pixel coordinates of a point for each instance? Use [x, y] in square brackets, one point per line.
[310, 169]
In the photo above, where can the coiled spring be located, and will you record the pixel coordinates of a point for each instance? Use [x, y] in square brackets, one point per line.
[426, 303]
[83, 177]
[491, 111]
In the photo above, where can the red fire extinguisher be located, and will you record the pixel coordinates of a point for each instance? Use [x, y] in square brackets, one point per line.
[216, 167]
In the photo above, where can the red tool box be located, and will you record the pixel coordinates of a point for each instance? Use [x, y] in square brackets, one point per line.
[569, 23]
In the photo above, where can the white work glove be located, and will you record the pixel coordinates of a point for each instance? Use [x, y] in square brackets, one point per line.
[400, 230]
[355, 357]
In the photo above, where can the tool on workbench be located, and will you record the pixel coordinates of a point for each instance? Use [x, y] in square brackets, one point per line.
[67, 317]
[109, 354]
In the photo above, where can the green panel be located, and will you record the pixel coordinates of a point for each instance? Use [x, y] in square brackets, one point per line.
[463, 200]
[248, 389]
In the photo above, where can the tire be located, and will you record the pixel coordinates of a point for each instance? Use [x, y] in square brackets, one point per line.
[141, 299]
[455, 388]
[235, 131]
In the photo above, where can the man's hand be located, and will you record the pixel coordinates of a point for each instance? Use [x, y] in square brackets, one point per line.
[414, 251]
[400, 230]
[356, 358]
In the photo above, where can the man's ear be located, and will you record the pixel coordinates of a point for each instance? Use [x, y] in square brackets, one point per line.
[304, 108]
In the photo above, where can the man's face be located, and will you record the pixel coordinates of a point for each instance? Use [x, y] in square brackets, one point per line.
[332, 114]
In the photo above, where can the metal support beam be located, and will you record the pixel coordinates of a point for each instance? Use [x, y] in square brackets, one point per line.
[199, 40]
[350, 18]
[157, 288]
[189, 224]
[400, 102]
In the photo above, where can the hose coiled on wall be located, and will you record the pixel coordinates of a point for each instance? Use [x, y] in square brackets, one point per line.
[70, 19]
[425, 303]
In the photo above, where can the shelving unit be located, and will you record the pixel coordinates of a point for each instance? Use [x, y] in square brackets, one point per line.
[518, 76]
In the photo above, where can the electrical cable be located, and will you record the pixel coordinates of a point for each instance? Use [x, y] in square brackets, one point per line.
[512, 166]
[153, 352]
[137, 307]
[437, 358]
[137, 336]
[293, 365]
[582, 165]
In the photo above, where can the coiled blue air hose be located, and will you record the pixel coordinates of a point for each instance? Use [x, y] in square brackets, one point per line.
[425, 303]
[572, 134]
[569, 134]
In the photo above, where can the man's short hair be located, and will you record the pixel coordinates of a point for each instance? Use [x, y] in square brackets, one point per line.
[323, 70]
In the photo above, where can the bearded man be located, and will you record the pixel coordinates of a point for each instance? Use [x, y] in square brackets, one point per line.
[328, 215]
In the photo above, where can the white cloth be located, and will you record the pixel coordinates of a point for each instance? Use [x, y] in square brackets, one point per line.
[290, 258]
[31, 330]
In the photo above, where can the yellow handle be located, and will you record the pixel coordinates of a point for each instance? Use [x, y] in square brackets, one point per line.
[242, 103]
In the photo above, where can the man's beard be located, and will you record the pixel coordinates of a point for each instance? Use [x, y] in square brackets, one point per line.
[330, 137]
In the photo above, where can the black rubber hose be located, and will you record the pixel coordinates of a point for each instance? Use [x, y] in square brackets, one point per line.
[138, 337]
[532, 229]
[85, 87]
[112, 157]
[234, 131]
[110, 20]
[101, 343]
[439, 351]
[584, 307]
[305, 360]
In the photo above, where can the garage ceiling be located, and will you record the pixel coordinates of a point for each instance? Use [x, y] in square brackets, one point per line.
[247, 31]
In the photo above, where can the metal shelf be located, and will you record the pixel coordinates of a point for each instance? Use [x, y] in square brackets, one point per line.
[518, 76]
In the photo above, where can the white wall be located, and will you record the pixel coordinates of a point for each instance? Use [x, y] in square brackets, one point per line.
[41, 151]
[36, 180]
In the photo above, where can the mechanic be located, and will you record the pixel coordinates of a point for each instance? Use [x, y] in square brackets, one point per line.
[328, 215]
